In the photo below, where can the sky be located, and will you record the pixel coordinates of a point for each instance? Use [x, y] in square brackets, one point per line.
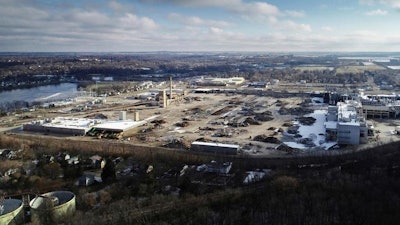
[199, 25]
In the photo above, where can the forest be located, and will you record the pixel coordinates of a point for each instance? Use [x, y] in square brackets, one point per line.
[359, 193]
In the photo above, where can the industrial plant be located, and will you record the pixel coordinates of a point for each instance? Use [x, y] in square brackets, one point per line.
[131, 150]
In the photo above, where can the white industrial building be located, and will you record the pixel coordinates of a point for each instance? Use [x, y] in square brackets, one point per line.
[62, 125]
[345, 124]
[81, 126]
[212, 81]
[381, 106]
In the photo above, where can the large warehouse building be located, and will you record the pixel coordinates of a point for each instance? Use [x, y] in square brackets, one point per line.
[61, 125]
[212, 81]
[81, 126]
[381, 106]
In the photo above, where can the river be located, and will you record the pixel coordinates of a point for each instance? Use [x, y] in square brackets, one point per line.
[45, 93]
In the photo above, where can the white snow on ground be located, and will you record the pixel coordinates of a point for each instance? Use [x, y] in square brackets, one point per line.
[394, 67]
[317, 100]
[254, 176]
[316, 132]
[368, 63]
[295, 145]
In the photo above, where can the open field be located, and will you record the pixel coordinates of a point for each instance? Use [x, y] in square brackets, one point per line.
[357, 69]
[313, 68]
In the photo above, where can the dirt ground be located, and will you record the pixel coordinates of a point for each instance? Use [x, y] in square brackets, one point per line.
[202, 121]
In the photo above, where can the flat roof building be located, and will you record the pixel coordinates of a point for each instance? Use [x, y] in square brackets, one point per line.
[212, 81]
[61, 125]
[81, 126]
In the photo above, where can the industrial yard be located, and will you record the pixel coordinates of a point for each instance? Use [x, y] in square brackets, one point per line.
[257, 120]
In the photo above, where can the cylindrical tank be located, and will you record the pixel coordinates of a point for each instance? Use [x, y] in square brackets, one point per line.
[11, 212]
[52, 207]
[122, 115]
[136, 116]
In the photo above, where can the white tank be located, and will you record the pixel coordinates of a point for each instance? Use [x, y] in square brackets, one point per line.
[11, 212]
[55, 206]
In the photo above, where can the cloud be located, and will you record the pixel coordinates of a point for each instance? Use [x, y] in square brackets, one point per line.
[294, 13]
[327, 28]
[30, 26]
[118, 7]
[216, 30]
[115, 6]
[377, 12]
[197, 21]
[237, 6]
[132, 21]
[256, 7]
[92, 18]
[296, 27]
[256, 11]
[392, 3]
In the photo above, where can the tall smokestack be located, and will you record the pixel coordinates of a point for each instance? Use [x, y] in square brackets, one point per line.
[170, 87]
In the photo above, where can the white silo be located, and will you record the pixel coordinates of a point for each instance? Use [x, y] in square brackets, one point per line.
[11, 212]
[53, 207]
[122, 115]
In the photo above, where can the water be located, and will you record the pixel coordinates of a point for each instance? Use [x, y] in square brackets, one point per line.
[40, 94]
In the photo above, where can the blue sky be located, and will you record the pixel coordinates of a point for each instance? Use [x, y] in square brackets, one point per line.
[199, 25]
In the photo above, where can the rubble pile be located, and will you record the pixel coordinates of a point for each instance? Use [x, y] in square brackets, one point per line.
[294, 111]
[177, 143]
[252, 121]
[286, 148]
[264, 116]
[267, 139]
[308, 121]
[99, 116]
[223, 110]
[182, 124]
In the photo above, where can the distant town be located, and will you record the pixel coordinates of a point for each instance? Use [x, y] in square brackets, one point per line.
[151, 134]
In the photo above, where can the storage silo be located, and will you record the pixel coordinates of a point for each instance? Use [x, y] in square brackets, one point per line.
[52, 207]
[11, 212]
[136, 116]
[122, 115]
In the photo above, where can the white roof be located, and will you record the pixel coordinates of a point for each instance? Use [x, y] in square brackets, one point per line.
[202, 89]
[119, 125]
[215, 144]
[70, 123]
[331, 125]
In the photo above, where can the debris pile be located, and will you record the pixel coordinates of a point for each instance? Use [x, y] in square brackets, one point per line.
[157, 124]
[223, 110]
[99, 116]
[252, 121]
[308, 121]
[286, 148]
[177, 143]
[182, 124]
[294, 111]
[264, 116]
[267, 139]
